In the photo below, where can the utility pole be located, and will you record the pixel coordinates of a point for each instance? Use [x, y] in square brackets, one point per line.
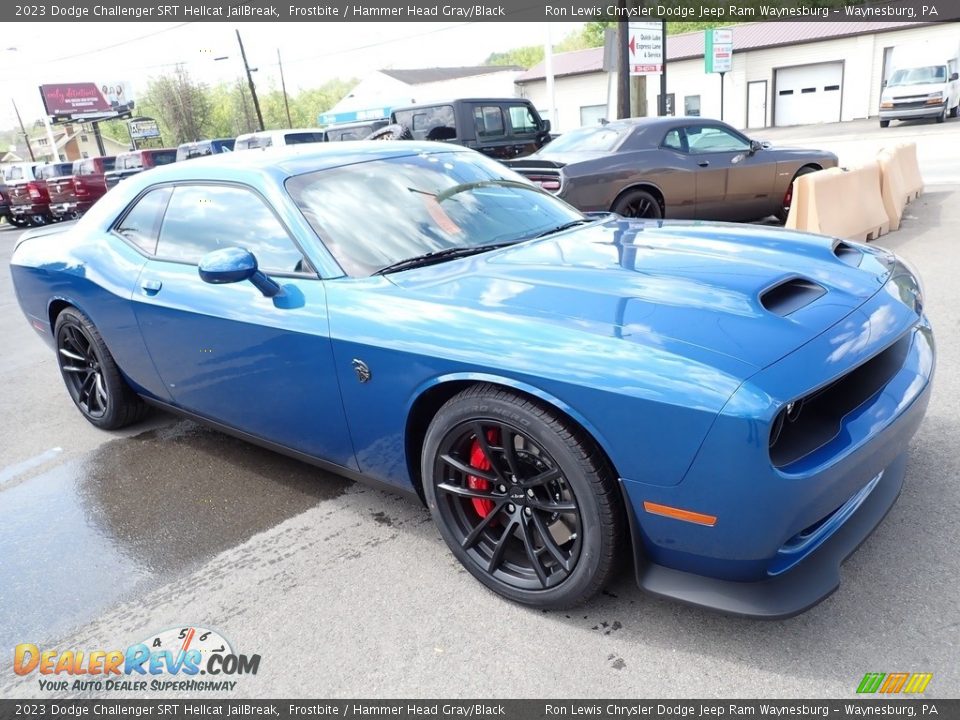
[663, 71]
[623, 65]
[26, 138]
[283, 85]
[253, 89]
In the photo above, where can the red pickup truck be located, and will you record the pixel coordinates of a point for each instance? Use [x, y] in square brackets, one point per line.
[88, 186]
[29, 199]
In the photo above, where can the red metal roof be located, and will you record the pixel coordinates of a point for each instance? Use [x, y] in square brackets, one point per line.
[749, 36]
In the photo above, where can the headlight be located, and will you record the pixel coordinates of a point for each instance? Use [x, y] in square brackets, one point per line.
[904, 284]
[886, 104]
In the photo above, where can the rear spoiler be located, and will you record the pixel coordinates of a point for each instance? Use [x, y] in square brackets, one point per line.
[533, 164]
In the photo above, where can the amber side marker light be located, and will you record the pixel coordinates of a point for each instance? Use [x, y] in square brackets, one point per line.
[678, 514]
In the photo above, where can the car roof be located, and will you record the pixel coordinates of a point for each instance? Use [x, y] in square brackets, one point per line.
[290, 160]
[452, 101]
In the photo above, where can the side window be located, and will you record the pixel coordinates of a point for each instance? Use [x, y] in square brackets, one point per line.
[488, 121]
[142, 224]
[707, 139]
[674, 140]
[432, 123]
[203, 218]
[522, 120]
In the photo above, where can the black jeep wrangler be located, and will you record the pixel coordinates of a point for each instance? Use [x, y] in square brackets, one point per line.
[502, 128]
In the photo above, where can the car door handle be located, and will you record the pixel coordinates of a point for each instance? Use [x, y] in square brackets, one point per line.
[704, 163]
[151, 287]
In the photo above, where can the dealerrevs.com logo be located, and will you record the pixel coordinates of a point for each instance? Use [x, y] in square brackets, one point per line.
[172, 660]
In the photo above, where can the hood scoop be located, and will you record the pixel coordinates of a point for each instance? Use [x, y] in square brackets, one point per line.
[791, 295]
[848, 254]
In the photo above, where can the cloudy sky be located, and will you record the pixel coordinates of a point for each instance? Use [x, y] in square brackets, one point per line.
[32, 54]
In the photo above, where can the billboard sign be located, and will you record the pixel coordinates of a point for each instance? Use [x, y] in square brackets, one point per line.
[86, 101]
[646, 48]
[718, 50]
[143, 129]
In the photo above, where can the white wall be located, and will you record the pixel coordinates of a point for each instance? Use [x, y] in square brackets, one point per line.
[862, 56]
[572, 92]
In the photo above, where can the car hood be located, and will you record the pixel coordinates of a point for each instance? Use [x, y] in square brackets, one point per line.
[898, 91]
[651, 282]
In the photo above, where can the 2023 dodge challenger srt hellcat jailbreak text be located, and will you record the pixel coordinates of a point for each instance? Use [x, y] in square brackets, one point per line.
[730, 404]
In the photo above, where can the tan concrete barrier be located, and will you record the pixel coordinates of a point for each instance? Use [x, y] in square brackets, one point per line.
[893, 189]
[910, 168]
[842, 203]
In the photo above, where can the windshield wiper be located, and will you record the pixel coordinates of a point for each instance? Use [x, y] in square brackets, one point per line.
[565, 226]
[437, 256]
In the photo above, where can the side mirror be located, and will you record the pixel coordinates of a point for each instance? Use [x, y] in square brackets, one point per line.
[233, 264]
[545, 125]
[954, 76]
[755, 146]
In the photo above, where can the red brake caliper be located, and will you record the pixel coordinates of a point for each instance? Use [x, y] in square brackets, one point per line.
[480, 462]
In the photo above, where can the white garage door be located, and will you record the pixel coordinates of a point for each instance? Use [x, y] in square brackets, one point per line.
[808, 94]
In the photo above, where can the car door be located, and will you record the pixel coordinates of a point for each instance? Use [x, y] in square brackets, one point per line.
[493, 137]
[226, 352]
[733, 181]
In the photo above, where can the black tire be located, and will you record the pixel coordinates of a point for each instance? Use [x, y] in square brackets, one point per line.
[91, 376]
[638, 204]
[942, 116]
[563, 489]
[391, 132]
[884, 123]
[788, 196]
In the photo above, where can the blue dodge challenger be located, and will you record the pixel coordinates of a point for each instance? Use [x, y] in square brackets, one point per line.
[730, 405]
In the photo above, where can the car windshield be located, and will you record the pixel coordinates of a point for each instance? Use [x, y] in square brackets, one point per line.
[599, 137]
[918, 76]
[374, 214]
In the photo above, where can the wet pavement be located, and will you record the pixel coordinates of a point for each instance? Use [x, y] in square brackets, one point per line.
[132, 515]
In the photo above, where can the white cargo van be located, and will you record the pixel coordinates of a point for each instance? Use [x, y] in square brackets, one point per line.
[923, 83]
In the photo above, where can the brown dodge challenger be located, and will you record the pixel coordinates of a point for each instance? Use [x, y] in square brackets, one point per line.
[673, 167]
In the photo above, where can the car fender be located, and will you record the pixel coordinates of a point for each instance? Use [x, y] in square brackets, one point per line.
[513, 384]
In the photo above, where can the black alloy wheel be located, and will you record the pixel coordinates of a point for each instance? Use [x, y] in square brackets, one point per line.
[638, 204]
[523, 501]
[92, 378]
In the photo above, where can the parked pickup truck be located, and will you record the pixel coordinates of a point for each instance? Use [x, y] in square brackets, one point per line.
[89, 184]
[63, 196]
[29, 198]
[5, 203]
[136, 161]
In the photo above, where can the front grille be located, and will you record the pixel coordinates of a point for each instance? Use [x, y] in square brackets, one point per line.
[811, 422]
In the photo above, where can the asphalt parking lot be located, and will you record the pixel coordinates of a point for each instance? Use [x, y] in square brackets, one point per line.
[106, 538]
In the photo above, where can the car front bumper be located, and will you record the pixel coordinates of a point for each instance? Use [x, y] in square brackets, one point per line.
[929, 111]
[781, 533]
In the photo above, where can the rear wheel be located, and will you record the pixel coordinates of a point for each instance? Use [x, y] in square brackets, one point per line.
[788, 195]
[638, 204]
[526, 503]
[91, 375]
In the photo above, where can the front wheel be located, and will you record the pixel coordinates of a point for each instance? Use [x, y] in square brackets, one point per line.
[884, 123]
[92, 378]
[526, 502]
[942, 116]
